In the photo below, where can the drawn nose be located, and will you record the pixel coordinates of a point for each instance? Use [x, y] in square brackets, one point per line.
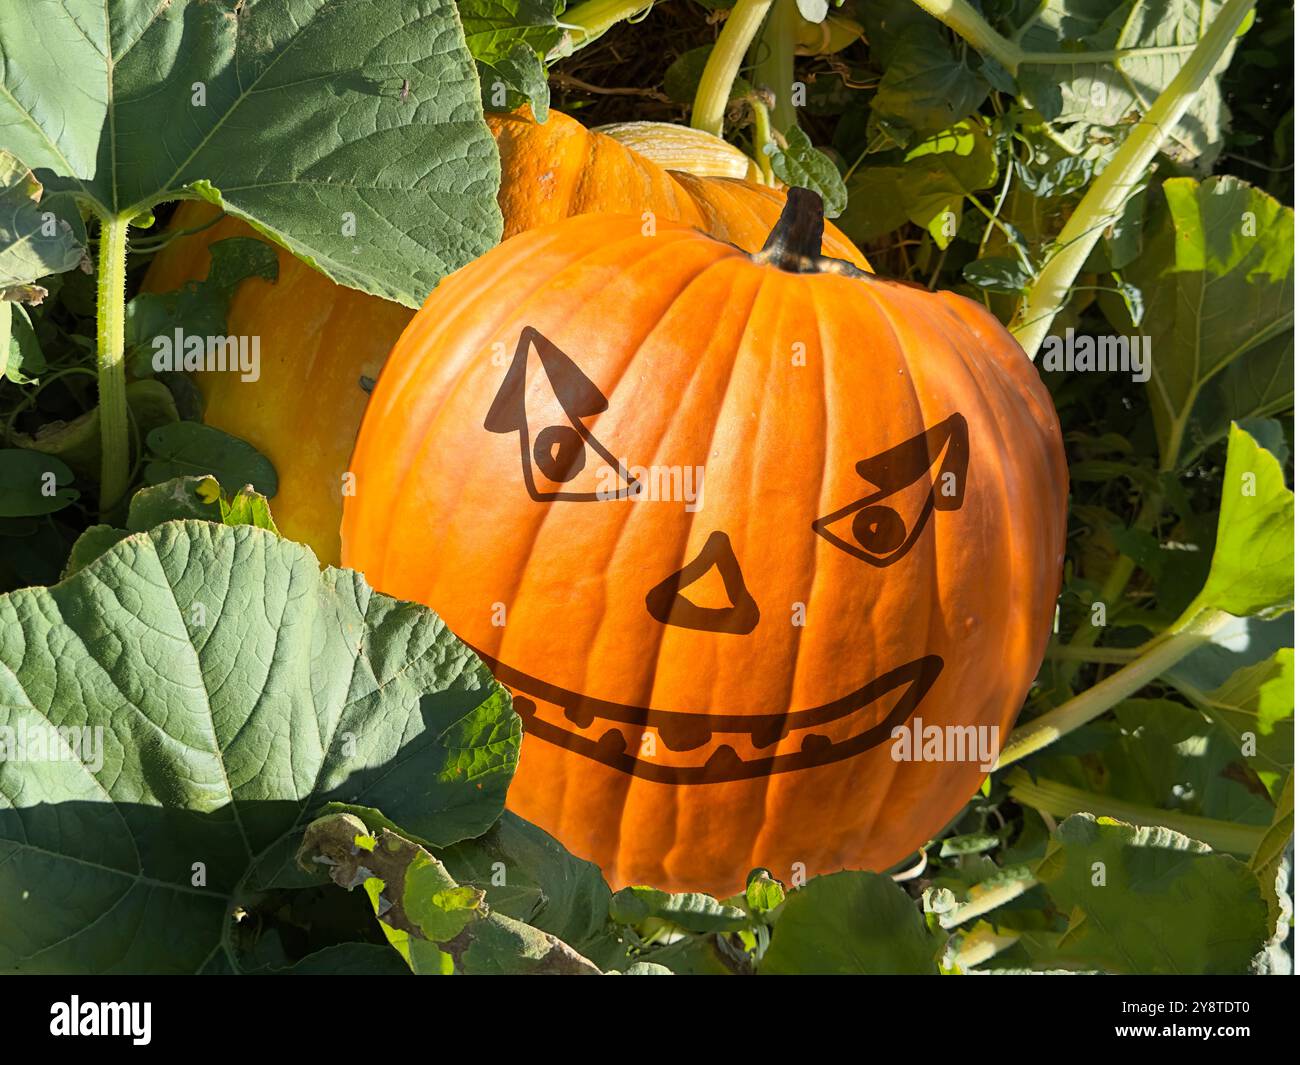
[716, 561]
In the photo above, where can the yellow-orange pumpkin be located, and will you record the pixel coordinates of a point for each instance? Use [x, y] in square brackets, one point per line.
[713, 686]
[318, 339]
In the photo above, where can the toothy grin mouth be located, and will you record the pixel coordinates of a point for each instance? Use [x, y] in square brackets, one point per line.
[610, 732]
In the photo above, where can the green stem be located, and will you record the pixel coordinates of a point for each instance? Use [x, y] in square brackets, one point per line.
[762, 137]
[1062, 59]
[720, 71]
[583, 23]
[1113, 656]
[1061, 800]
[115, 461]
[969, 24]
[774, 61]
[1159, 655]
[1105, 198]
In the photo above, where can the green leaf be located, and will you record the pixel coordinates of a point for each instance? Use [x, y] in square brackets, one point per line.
[1269, 863]
[494, 27]
[92, 543]
[645, 968]
[197, 311]
[1147, 45]
[517, 75]
[1152, 901]
[926, 85]
[929, 187]
[247, 507]
[847, 923]
[800, 165]
[763, 894]
[196, 497]
[33, 483]
[1167, 757]
[509, 39]
[1253, 569]
[236, 688]
[528, 875]
[1257, 705]
[189, 448]
[1216, 278]
[998, 274]
[182, 498]
[290, 114]
[438, 926]
[35, 239]
[1239, 643]
[692, 911]
[21, 358]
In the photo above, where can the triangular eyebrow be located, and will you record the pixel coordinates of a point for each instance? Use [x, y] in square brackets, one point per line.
[902, 464]
[577, 394]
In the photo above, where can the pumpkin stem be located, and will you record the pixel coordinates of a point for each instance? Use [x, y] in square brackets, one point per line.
[795, 243]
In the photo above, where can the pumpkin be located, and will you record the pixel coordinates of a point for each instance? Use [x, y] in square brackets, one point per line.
[739, 531]
[319, 340]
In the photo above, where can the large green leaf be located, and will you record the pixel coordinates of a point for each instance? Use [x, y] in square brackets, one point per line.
[851, 922]
[236, 689]
[1253, 568]
[1216, 279]
[1255, 708]
[297, 115]
[1131, 50]
[1149, 900]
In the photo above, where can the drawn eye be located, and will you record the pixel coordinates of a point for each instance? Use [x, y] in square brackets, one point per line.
[560, 453]
[881, 533]
[562, 460]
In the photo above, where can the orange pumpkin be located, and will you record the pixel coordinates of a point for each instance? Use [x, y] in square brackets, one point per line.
[737, 530]
[319, 339]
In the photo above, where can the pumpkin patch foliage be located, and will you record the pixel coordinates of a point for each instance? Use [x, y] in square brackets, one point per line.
[646, 487]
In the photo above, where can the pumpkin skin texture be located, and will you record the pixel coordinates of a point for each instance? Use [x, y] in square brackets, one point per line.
[319, 339]
[681, 725]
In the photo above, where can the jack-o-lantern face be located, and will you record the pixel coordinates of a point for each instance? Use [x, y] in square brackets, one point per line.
[726, 525]
[563, 461]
